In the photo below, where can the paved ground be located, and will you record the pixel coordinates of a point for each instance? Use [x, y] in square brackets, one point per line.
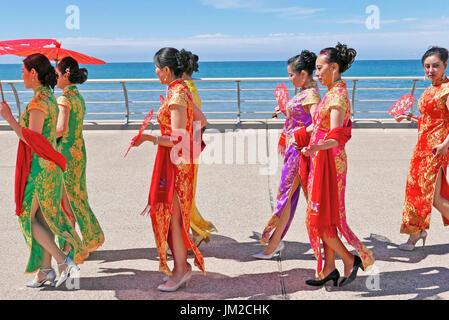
[238, 199]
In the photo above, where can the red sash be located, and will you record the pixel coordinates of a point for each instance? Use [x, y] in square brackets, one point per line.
[35, 142]
[324, 197]
[302, 138]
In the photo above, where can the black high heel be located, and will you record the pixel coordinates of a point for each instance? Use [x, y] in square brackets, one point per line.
[334, 276]
[357, 264]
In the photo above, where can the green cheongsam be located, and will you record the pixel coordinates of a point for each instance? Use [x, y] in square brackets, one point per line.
[72, 147]
[45, 183]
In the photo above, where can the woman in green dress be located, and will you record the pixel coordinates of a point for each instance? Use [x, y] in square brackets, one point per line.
[69, 132]
[41, 216]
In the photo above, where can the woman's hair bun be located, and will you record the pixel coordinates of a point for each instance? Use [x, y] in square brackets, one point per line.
[71, 66]
[192, 62]
[304, 61]
[342, 55]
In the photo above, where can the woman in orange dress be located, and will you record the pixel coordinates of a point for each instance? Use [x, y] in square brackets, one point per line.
[171, 192]
[326, 183]
[426, 181]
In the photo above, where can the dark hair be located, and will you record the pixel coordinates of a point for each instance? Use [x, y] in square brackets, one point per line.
[192, 62]
[45, 71]
[304, 61]
[70, 65]
[442, 53]
[342, 55]
[172, 58]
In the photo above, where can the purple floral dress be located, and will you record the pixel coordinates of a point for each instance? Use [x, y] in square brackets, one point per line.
[298, 116]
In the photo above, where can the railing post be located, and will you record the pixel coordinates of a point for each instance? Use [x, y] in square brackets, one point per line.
[16, 95]
[239, 122]
[413, 92]
[125, 93]
[354, 86]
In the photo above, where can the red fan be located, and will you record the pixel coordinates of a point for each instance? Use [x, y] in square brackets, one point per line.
[282, 97]
[402, 105]
[145, 124]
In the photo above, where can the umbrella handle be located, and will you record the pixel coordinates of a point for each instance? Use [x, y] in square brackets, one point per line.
[1, 88]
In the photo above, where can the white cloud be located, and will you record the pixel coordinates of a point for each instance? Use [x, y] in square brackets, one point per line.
[292, 12]
[230, 4]
[261, 7]
[363, 21]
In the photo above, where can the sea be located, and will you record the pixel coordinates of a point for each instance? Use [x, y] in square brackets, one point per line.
[220, 98]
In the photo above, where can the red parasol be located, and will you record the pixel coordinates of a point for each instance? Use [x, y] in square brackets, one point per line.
[12, 46]
[402, 105]
[57, 54]
[145, 124]
[282, 97]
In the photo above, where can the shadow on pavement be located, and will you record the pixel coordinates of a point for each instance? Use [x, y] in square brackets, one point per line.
[219, 247]
[137, 284]
[385, 250]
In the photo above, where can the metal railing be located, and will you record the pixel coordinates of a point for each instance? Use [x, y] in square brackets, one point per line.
[262, 97]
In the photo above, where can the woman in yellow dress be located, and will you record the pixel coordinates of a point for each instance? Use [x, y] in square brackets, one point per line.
[72, 109]
[39, 186]
[171, 191]
[201, 229]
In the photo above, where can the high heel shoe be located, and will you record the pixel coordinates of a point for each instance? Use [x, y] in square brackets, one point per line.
[50, 276]
[166, 278]
[334, 276]
[184, 281]
[410, 245]
[263, 256]
[65, 275]
[355, 268]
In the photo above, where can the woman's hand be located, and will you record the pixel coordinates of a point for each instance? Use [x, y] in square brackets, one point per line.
[311, 150]
[142, 139]
[5, 112]
[440, 150]
[401, 117]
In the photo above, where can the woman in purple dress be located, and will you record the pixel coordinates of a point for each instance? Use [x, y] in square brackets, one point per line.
[298, 112]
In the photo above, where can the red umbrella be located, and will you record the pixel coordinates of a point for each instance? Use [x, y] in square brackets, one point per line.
[57, 54]
[12, 46]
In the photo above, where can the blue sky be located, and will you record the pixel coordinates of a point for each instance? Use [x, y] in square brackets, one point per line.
[222, 30]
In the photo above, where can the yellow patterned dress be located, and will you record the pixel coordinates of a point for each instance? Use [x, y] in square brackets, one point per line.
[73, 148]
[45, 183]
[197, 222]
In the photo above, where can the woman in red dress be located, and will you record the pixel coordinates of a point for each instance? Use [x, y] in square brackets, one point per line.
[171, 193]
[426, 181]
[326, 183]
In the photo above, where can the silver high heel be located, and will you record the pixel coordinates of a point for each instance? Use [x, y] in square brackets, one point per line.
[263, 256]
[50, 276]
[411, 246]
[65, 275]
[184, 281]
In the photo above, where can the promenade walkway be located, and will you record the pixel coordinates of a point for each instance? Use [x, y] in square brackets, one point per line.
[238, 199]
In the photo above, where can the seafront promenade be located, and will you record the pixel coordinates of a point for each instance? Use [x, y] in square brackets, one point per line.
[238, 198]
